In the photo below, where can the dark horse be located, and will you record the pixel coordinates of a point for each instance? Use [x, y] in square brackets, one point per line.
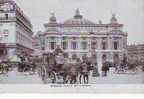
[4, 67]
[24, 66]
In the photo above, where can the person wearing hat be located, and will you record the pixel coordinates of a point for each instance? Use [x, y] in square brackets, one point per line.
[84, 72]
[59, 61]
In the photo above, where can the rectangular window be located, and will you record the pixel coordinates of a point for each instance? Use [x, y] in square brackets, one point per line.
[84, 45]
[74, 45]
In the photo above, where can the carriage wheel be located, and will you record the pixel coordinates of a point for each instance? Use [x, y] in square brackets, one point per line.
[25, 69]
[52, 76]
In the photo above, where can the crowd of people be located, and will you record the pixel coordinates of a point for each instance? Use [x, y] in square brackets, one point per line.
[73, 70]
[5, 66]
[54, 66]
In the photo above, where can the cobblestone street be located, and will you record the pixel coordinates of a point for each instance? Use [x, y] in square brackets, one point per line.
[14, 77]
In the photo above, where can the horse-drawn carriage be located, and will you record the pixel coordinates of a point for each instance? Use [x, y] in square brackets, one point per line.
[5, 66]
[50, 68]
[55, 68]
[27, 64]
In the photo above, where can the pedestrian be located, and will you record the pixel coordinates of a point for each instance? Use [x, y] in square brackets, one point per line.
[93, 60]
[51, 62]
[84, 72]
[1, 67]
[105, 69]
[59, 61]
[4, 67]
[73, 74]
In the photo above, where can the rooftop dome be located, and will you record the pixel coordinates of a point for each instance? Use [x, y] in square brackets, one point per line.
[52, 19]
[114, 19]
[78, 20]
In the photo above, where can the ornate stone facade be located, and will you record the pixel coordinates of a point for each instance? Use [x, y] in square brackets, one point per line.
[136, 53]
[79, 36]
[15, 30]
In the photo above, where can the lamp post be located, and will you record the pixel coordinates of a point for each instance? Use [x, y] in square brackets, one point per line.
[94, 63]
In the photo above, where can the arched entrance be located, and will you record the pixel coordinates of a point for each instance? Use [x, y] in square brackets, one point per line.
[84, 57]
[116, 60]
[66, 55]
[3, 53]
[94, 59]
[104, 58]
[74, 56]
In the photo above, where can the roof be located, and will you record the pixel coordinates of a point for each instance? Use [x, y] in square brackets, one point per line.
[78, 20]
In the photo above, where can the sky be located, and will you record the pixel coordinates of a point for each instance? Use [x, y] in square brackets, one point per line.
[128, 12]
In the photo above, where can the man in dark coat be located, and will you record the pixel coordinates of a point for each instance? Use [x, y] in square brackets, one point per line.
[105, 68]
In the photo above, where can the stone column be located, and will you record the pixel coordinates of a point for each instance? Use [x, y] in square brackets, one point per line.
[111, 57]
[99, 43]
[99, 55]
[59, 41]
[89, 46]
[109, 43]
[47, 47]
[99, 62]
[69, 44]
[121, 43]
[79, 43]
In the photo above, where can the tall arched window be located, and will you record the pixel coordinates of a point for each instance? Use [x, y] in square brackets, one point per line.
[115, 45]
[64, 45]
[6, 16]
[104, 45]
[116, 59]
[52, 45]
[66, 55]
[104, 58]
[74, 45]
[84, 45]
[93, 45]
[84, 57]
[74, 56]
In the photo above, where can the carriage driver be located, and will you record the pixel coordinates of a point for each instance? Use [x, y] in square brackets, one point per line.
[59, 61]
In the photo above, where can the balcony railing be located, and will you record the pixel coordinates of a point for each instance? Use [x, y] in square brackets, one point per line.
[7, 19]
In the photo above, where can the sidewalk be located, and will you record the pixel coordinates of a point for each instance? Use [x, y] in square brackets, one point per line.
[14, 77]
[123, 78]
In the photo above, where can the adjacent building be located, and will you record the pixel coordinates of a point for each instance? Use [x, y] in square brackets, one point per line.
[38, 44]
[81, 37]
[15, 31]
[136, 53]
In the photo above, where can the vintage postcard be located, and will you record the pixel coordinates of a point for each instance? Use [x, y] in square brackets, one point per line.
[71, 46]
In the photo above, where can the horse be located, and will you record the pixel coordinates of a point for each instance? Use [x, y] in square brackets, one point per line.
[4, 68]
